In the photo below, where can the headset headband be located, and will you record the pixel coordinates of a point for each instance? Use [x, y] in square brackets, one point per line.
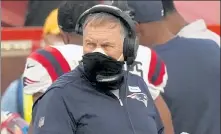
[124, 18]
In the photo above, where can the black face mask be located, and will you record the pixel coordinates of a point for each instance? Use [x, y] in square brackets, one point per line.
[102, 69]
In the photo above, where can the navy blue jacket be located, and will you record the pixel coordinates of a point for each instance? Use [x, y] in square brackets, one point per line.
[193, 88]
[72, 105]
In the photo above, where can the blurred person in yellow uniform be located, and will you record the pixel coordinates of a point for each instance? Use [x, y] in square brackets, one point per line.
[42, 68]
[13, 99]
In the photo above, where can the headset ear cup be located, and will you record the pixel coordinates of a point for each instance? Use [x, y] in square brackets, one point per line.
[125, 49]
[129, 53]
[136, 46]
[80, 30]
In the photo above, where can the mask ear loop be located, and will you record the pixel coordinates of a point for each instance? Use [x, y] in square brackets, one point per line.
[121, 56]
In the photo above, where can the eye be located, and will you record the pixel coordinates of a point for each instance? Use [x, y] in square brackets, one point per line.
[91, 45]
[106, 45]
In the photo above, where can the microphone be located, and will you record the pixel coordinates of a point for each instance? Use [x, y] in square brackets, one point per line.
[102, 78]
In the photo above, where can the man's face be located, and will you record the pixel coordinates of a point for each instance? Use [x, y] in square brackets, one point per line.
[107, 36]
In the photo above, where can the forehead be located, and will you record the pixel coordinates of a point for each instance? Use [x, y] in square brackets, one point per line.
[103, 32]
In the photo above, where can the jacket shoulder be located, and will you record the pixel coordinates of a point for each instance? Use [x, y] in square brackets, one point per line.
[67, 78]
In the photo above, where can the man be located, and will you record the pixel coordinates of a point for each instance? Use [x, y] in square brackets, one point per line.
[177, 24]
[99, 83]
[193, 88]
[145, 66]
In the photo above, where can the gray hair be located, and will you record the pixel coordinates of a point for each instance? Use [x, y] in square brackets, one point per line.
[99, 18]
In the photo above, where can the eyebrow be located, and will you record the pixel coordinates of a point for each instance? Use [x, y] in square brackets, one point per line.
[88, 40]
[107, 42]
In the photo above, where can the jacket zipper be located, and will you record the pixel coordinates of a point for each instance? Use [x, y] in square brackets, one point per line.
[121, 103]
[123, 95]
[128, 115]
[124, 105]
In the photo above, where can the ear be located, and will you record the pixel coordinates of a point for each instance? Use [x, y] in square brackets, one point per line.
[138, 29]
[46, 41]
[65, 37]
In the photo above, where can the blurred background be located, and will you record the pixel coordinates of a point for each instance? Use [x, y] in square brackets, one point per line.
[22, 29]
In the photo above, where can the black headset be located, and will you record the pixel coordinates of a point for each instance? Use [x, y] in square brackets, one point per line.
[130, 46]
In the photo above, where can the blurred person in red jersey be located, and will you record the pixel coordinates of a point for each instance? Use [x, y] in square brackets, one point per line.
[69, 42]
[43, 67]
